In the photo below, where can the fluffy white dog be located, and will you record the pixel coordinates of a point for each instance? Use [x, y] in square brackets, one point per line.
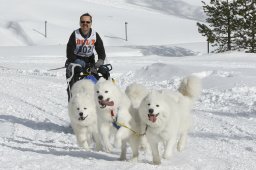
[167, 116]
[115, 119]
[136, 92]
[82, 114]
[83, 86]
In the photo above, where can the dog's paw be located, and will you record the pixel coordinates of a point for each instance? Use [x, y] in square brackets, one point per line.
[84, 145]
[98, 147]
[157, 162]
[167, 155]
[134, 159]
[122, 158]
[108, 148]
[156, 159]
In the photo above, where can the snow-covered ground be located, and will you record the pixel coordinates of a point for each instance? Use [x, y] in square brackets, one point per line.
[163, 47]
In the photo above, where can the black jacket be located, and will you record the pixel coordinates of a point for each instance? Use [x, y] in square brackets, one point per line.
[99, 47]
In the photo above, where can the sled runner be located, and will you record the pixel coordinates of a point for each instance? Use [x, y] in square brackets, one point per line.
[75, 72]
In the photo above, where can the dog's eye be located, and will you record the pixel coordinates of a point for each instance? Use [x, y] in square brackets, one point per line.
[85, 108]
[78, 108]
[149, 104]
[97, 91]
[157, 105]
[106, 91]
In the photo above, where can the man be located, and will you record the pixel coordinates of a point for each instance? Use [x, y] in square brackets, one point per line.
[80, 49]
[82, 43]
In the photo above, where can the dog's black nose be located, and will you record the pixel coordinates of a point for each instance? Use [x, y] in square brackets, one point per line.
[151, 111]
[81, 114]
[100, 97]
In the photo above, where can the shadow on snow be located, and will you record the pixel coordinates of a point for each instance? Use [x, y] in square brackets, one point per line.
[48, 126]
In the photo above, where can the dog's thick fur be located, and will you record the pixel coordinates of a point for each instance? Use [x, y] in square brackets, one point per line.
[84, 86]
[136, 92]
[113, 106]
[82, 114]
[167, 116]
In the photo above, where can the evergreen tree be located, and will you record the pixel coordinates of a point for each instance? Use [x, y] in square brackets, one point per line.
[221, 28]
[246, 25]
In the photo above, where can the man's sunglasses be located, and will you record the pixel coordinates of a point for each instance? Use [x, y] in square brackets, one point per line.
[82, 22]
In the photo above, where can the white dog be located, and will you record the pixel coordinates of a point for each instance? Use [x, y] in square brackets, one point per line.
[114, 118]
[167, 116]
[82, 113]
[136, 92]
[83, 86]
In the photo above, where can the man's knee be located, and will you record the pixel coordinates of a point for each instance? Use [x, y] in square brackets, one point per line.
[80, 62]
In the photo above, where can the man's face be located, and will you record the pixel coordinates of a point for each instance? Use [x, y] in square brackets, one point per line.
[85, 23]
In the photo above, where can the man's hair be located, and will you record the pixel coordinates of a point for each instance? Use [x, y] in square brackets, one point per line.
[86, 14]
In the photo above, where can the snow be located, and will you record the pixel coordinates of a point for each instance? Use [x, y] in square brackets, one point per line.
[162, 48]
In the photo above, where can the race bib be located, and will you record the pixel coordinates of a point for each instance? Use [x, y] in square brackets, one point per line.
[85, 47]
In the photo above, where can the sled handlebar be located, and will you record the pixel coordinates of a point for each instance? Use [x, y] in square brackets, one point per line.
[107, 66]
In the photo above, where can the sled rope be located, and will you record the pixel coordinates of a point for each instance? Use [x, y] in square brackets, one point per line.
[136, 133]
[117, 125]
[56, 68]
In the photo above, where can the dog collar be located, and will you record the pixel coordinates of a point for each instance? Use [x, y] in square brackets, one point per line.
[114, 123]
[112, 113]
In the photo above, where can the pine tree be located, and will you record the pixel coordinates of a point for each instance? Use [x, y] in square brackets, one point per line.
[239, 21]
[221, 28]
[246, 25]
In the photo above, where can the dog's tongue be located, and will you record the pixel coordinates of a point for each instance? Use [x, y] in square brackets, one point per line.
[106, 102]
[152, 118]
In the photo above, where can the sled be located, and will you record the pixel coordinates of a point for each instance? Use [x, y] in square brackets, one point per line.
[75, 72]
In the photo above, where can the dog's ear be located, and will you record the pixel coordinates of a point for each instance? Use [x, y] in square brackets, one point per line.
[71, 101]
[101, 80]
[112, 80]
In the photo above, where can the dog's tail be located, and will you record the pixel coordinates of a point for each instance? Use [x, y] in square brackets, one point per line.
[136, 93]
[191, 87]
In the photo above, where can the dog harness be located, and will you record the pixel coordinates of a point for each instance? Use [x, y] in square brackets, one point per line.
[118, 125]
[115, 123]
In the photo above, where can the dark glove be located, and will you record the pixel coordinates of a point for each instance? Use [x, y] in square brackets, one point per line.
[104, 72]
[99, 63]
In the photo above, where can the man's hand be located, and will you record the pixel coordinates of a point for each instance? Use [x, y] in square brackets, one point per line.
[99, 63]
[94, 70]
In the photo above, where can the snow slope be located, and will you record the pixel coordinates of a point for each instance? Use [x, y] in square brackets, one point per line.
[164, 26]
[34, 124]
